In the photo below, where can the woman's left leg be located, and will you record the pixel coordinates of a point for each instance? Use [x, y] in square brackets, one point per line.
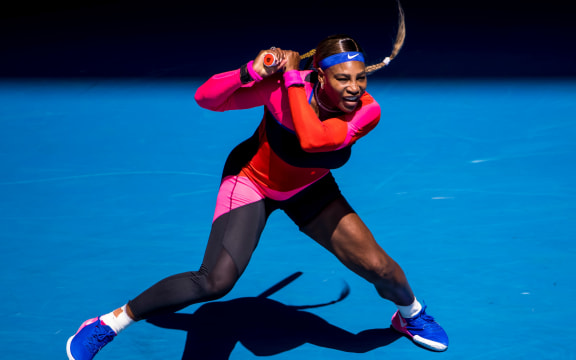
[340, 230]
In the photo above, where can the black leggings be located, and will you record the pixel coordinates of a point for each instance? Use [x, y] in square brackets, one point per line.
[233, 239]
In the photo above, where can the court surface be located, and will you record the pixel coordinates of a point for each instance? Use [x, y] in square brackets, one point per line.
[107, 186]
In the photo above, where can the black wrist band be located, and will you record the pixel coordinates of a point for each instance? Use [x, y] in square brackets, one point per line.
[245, 77]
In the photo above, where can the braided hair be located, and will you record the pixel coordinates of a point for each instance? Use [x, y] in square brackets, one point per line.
[342, 43]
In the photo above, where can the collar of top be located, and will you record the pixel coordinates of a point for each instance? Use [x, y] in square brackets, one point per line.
[340, 58]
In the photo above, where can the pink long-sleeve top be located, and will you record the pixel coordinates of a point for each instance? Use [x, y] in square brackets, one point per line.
[295, 147]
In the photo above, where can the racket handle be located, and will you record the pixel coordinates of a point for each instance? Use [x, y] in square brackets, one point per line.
[270, 60]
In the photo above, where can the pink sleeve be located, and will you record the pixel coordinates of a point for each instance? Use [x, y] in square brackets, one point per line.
[362, 121]
[225, 91]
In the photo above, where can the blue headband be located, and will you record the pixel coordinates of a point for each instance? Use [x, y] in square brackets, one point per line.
[340, 58]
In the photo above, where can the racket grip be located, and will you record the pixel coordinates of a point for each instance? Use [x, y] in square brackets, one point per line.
[270, 60]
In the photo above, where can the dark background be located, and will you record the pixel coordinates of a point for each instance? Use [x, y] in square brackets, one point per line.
[177, 39]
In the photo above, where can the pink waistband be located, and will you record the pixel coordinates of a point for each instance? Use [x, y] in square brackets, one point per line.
[236, 191]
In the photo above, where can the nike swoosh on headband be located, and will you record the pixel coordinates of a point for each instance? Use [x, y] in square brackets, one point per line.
[340, 58]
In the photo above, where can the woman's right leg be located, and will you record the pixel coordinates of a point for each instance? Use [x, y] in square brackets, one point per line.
[232, 241]
[241, 213]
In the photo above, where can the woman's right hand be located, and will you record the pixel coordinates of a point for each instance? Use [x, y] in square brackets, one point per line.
[284, 59]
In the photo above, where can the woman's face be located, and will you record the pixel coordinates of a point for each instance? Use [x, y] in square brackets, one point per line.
[344, 84]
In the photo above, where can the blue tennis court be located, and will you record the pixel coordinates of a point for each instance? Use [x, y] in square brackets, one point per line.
[107, 186]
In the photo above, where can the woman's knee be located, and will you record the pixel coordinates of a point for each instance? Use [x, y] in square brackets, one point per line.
[205, 285]
[217, 286]
[219, 277]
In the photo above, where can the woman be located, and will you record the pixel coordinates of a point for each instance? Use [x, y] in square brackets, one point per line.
[311, 120]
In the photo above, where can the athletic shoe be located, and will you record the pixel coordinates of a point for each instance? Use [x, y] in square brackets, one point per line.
[92, 335]
[422, 329]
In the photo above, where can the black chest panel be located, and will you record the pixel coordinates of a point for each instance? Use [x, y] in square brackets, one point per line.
[285, 144]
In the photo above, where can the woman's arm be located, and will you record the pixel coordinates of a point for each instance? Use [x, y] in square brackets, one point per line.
[331, 134]
[240, 88]
[230, 90]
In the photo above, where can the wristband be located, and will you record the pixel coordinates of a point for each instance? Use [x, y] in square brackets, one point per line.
[245, 77]
[293, 78]
[251, 71]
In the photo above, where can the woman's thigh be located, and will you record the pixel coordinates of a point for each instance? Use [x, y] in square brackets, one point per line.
[239, 219]
[339, 229]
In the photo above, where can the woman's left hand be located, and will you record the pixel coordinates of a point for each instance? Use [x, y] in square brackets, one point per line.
[287, 59]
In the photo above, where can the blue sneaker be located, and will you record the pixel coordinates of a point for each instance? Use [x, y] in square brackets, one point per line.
[92, 335]
[422, 329]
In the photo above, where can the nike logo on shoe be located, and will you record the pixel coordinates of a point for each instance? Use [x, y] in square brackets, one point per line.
[402, 321]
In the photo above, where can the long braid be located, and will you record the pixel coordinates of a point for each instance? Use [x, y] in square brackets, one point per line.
[308, 54]
[400, 36]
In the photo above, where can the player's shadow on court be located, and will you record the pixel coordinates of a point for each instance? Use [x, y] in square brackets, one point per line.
[265, 327]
